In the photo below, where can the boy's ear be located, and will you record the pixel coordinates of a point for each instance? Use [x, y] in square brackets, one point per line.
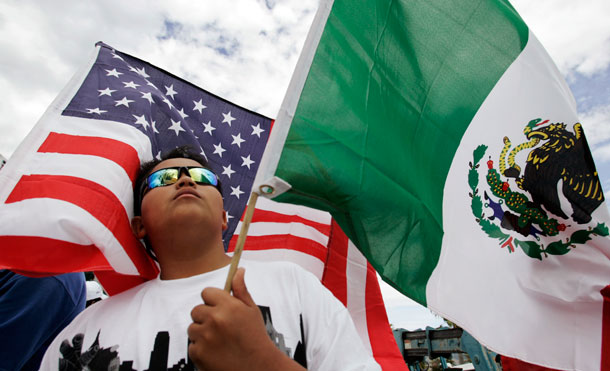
[225, 224]
[137, 227]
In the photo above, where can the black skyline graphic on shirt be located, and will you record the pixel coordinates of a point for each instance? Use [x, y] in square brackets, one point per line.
[99, 358]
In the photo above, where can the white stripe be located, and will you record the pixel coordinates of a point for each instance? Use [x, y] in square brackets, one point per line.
[553, 304]
[36, 163]
[106, 129]
[355, 275]
[66, 222]
[306, 261]
[278, 136]
[113, 177]
[305, 212]
[295, 229]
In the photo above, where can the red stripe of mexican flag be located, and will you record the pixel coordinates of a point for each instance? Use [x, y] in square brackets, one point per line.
[431, 130]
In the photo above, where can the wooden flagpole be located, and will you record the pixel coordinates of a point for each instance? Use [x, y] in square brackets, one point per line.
[241, 240]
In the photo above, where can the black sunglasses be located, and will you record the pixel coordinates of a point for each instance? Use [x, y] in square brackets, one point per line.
[170, 175]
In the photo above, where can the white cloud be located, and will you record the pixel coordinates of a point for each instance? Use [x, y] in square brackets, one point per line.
[576, 34]
[263, 47]
[391, 296]
[405, 313]
[44, 43]
[602, 153]
[413, 318]
[597, 129]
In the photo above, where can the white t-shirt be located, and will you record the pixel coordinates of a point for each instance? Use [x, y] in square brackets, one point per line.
[145, 328]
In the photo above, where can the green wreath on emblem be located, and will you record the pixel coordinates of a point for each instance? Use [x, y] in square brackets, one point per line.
[515, 200]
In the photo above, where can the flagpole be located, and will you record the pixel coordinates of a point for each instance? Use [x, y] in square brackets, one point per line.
[241, 240]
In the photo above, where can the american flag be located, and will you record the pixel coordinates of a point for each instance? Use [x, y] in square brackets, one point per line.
[68, 188]
[66, 194]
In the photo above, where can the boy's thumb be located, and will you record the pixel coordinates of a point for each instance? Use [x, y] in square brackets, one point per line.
[238, 285]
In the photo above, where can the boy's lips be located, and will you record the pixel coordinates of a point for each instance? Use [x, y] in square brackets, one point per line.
[187, 193]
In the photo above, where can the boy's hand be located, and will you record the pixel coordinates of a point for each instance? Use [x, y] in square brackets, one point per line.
[228, 332]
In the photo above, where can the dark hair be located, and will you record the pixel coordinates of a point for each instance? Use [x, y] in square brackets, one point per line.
[145, 169]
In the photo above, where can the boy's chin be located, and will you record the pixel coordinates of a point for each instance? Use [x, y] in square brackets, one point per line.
[186, 217]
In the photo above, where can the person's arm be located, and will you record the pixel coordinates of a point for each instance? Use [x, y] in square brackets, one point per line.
[228, 333]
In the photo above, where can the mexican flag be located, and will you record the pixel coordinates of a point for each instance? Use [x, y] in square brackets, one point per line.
[442, 138]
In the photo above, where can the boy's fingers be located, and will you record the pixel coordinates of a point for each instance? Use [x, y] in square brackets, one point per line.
[212, 295]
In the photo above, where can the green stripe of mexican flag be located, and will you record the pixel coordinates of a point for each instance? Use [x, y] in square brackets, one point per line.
[431, 131]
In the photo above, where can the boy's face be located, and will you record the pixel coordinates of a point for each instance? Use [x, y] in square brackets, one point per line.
[182, 204]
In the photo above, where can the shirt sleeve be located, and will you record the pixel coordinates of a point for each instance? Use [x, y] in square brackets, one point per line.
[332, 342]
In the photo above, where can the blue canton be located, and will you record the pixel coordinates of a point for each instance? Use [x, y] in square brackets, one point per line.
[173, 112]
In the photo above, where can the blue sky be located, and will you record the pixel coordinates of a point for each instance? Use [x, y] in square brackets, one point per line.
[245, 51]
[592, 94]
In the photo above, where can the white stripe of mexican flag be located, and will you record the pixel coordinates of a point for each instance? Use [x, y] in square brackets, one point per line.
[547, 312]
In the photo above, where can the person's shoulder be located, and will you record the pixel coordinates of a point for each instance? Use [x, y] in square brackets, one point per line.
[72, 285]
[111, 309]
[120, 300]
[71, 278]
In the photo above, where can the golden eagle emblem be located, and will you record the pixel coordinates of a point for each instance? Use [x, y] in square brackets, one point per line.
[558, 155]
[565, 157]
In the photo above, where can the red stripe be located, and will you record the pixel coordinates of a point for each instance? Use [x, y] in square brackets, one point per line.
[114, 150]
[275, 217]
[605, 361]
[513, 364]
[384, 347]
[96, 200]
[282, 241]
[36, 256]
[334, 277]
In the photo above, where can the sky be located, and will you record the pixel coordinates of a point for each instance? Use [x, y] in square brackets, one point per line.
[245, 51]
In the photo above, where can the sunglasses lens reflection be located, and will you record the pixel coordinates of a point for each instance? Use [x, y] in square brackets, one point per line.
[165, 177]
[203, 176]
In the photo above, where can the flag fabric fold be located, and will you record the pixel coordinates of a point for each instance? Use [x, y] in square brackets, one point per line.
[444, 141]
